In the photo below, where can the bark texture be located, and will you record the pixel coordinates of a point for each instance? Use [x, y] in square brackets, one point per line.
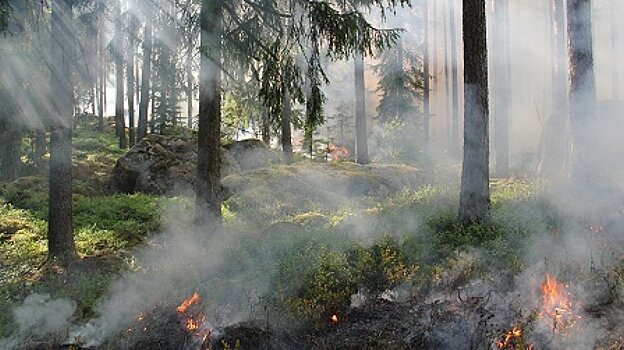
[361, 137]
[286, 131]
[61, 246]
[208, 187]
[474, 201]
[146, 72]
[120, 121]
[582, 89]
[426, 75]
[130, 78]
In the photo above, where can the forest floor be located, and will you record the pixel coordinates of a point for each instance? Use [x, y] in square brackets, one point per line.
[325, 269]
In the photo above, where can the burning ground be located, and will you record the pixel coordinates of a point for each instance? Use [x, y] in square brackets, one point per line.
[337, 270]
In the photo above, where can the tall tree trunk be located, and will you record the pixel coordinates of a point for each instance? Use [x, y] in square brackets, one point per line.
[189, 84]
[447, 79]
[582, 89]
[11, 150]
[454, 82]
[130, 77]
[426, 76]
[101, 68]
[501, 84]
[361, 142]
[145, 77]
[474, 201]
[61, 244]
[266, 127]
[286, 120]
[120, 119]
[208, 187]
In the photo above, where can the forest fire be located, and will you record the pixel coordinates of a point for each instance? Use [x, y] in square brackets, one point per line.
[194, 320]
[334, 318]
[188, 303]
[557, 305]
[338, 152]
[513, 339]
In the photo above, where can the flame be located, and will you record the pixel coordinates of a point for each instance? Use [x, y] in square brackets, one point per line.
[338, 152]
[334, 318]
[187, 303]
[507, 338]
[191, 325]
[556, 304]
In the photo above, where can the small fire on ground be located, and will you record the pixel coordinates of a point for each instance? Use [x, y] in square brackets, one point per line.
[557, 306]
[557, 310]
[193, 318]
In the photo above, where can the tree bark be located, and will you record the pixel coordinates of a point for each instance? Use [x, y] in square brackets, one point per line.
[120, 119]
[61, 246]
[474, 198]
[101, 68]
[454, 82]
[189, 84]
[208, 187]
[11, 157]
[146, 72]
[426, 75]
[130, 78]
[286, 131]
[361, 142]
[266, 127]
[582, 89]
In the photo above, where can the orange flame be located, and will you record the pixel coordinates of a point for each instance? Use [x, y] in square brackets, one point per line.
[506, 341]
[556, 304]
[334, 318]
[187, 303]
[338, 152]
[191, 325]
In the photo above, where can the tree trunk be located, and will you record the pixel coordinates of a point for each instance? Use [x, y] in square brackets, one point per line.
[582, 89]
[454, 83]
[361, 142]
[447, 79]
[101, 69]
[208, 187]
[426, 76]
[61, 246]
[501, 84]
[11, 150]
[474, 198]
[130, 76]
[120, 121]
[145, 77]
[266, 127]
[286, 120]
[189, 84]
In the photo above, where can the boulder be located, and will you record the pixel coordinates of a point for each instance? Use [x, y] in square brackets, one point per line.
[252, 154]
[161, 164]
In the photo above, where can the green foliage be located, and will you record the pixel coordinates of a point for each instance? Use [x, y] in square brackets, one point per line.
[130, 217]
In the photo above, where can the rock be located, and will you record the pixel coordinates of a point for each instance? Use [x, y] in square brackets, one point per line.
[161, 164]
[252, 154]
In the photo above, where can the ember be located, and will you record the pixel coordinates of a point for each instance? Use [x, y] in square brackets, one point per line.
[187, 303]
[513, 339]
[338, 152]
[557, 305]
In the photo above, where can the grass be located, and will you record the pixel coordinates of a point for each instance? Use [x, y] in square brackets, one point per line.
[314, 255]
